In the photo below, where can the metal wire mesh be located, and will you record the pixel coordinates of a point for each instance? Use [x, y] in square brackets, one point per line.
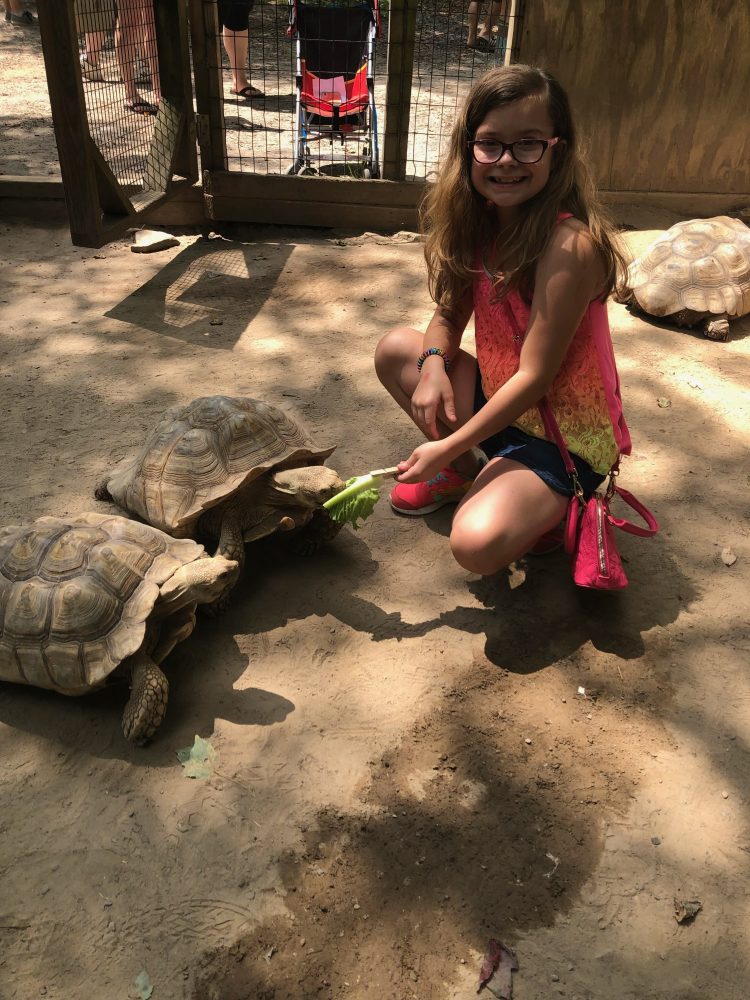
[263, 130]
[120, 76]
[445, 67]
[278, 130]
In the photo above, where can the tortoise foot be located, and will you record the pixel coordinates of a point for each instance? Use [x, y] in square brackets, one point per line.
[319, 531]
[100, 490]
[145, 709]
[716, 329]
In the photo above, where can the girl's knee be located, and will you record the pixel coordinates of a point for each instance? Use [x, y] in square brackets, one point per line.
[474, 551]
[393, 347]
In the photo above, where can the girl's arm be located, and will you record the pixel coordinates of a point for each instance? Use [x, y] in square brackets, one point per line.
[434, 388]
[569, 275]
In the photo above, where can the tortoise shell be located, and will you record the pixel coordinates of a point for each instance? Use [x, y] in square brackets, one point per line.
[202, 453]
[75, 595]
[702, 265]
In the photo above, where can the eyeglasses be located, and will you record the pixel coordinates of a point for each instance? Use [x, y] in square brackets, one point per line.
[522, 150]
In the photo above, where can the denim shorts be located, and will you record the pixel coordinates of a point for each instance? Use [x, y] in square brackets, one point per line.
[538, 454]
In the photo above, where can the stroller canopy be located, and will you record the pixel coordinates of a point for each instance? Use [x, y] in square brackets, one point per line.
[333, 40]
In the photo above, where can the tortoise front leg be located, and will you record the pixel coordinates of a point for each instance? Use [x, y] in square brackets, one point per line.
[716, 327]
[149, 690]
[173, 629]
[319, 531]
[232, 545]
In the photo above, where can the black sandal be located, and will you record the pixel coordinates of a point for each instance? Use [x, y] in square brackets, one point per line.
[482, 45]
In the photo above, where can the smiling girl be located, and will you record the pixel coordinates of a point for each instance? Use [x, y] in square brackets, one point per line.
[514, 236]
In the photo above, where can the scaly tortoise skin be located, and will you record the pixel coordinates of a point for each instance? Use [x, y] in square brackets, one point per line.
[233, 469]
[697, 272]
[85, 597]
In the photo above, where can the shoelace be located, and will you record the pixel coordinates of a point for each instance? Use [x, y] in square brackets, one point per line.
[441, 476]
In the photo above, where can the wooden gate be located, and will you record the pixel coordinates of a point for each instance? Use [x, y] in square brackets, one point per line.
[116, 164]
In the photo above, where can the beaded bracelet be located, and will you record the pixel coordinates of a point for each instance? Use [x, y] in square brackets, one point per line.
[438, 351]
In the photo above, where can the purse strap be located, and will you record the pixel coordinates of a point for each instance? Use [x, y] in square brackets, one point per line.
[552, 428]
[545, 410]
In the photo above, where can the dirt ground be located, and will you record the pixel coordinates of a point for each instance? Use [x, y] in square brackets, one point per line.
[412, 760]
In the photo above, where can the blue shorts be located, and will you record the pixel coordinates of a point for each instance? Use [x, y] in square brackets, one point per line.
[539, 455]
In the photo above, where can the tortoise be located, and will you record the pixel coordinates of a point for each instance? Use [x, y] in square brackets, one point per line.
[233, 469]
[697, 272]
[91, 596]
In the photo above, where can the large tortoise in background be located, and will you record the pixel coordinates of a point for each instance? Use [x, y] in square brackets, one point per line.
[233, 469]
[697, 272]
[87, 597]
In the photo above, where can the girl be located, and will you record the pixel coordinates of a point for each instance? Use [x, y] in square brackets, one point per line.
[516, 237]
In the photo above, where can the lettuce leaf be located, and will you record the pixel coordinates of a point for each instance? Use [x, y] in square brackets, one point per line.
[356, 501]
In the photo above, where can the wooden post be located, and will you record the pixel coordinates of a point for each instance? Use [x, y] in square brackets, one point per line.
[209, 89]
[401, 39]
[513, 37]
[173, 143]
[80, 181]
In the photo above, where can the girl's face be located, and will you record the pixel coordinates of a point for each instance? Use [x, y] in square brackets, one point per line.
[507, 184]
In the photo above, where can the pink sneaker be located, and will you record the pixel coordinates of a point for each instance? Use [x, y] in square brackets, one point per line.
[448, 486]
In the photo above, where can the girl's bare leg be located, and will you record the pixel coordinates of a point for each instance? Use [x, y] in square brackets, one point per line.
[396, 366]
[506, 510]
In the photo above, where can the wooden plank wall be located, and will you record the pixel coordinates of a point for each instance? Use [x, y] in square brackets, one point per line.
[661, 88]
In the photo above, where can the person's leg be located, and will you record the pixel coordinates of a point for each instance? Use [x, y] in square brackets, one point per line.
[471, 38]
[493, 18]
[93, 45]
[237, 44]
[396, 367]
[149, 46]
[127, 38]
[501, 517]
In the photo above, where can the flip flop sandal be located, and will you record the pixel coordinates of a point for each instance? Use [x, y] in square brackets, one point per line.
[247, 92]
[482, 45]
[141, 107]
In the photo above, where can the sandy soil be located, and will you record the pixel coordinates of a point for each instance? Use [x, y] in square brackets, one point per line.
[406, 765]
[411, 760]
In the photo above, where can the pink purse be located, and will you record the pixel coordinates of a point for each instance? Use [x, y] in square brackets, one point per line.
[590, 543]
[589, 538]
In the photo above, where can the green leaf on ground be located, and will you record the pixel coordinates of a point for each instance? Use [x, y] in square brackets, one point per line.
[143, 985]
[199, 759]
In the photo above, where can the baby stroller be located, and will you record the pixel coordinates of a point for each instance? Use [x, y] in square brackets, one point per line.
[335, 98]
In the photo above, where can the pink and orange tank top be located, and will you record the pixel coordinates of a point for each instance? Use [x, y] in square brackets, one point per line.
[585, 395]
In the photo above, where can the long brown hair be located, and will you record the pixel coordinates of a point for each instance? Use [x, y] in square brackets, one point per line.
[457, 223]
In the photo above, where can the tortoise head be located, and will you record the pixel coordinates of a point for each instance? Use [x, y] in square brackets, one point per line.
[308, 487]
[202, 581]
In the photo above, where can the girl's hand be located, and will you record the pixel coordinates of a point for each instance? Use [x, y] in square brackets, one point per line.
[424, 462]
[434, 390]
